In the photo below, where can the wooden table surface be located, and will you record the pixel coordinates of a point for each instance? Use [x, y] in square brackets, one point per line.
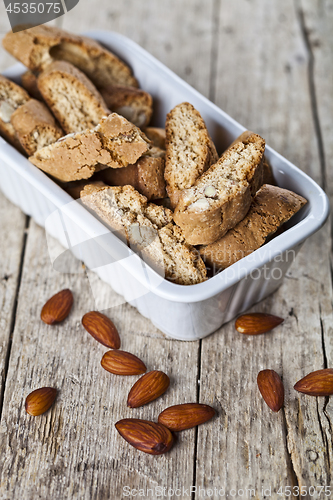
[270, 66]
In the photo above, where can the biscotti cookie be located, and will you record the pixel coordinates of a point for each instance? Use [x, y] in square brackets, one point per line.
[189, 149]
[271, 207]
[37, 47]
[221, 197]
[156, 135]
[35, 127]
[29, 83]
[148, 230]
[146, 175]
[115, 143]
[134, 104]
[73, 99]
[268, 176]
[11, 97]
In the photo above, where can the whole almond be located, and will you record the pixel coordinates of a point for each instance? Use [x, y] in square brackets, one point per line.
[40, 400]
[57, 308]
[102, 329]
[271, 388]
[147, 388]
[257, 323]
[146, 436]
[318, 383]
[122, 363]
[184, 416]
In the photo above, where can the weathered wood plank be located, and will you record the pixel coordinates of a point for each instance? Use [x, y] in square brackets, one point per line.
[263, 82]
[179, 34]
[74, 450]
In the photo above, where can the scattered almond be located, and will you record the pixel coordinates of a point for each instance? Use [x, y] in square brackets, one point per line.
[145, 436]
[122, 363]
[271, 388]
[102, 329]
[257, 323]
[148, 388]
[318, 383]
[184, 416]
[40, 400]
[57, 308]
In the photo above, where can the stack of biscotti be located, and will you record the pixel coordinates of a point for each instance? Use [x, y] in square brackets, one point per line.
[221, 197]
[148, 229]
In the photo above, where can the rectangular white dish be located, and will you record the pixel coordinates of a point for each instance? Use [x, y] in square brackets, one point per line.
[181, 312]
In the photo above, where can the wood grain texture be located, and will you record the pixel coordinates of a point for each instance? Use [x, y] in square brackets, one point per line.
[74, 450]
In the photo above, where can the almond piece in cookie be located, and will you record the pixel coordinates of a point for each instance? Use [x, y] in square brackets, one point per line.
[113, 143]
[134, 104]
[11, 97]
[35, 126]
[222, 196]
[146, 175]
[271, 207]
[72, 97]
[189, 149]
[37, 47]
[148, 229]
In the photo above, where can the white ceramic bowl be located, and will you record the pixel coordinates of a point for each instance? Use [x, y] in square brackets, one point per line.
[182, 312]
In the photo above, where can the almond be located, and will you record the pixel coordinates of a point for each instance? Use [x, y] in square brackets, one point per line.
[122, 363]
[145, 436]
[271, 388]
[147, 388]
[102, 329]
[40, 400]
[318, 383]
[257, 323]
[184, 416]
[57, 308]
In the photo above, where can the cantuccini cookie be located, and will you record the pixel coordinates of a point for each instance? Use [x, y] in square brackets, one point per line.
[11, 97]
[222, 196]
[37, 47]
[156, 135]
[271, 207]
[35, 126]
[268, 176]
[115, 143]
[134, 104]
[148, 229]
[189, 149]
[146, 175]
[73, 99]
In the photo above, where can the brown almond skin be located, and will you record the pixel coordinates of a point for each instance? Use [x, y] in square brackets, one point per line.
[271, 388]
[40, 400]
[148, 388]
[122, 363]
[257, 323]
[181, 417]
[145, 436]
[57, 308]
[317, 383]
[102, 329]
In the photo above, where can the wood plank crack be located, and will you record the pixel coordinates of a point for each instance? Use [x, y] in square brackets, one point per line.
[13, 316]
